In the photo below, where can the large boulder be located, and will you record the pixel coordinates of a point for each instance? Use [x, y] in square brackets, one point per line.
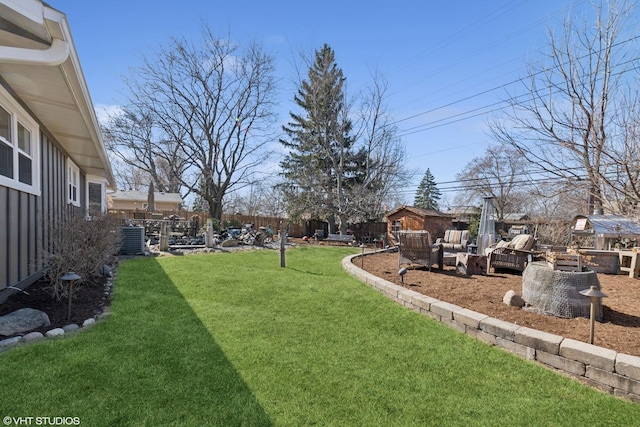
[23, 320]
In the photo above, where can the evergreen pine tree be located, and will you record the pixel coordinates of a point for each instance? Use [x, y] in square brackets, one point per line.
[316, 169]
[427, 195]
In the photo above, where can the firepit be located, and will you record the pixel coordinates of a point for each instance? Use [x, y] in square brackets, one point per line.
[556, 292]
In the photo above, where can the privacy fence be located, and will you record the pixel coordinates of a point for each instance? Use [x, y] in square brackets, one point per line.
[194, 221]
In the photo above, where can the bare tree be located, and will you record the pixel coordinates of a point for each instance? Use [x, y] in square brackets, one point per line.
[259, 198]
[622, 159]
[135, 140]
[198, 116]
[501, 174]
[382, 153]
[564, 120]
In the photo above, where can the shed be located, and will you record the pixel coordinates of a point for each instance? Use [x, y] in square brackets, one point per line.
[414, 219]
[604, 232]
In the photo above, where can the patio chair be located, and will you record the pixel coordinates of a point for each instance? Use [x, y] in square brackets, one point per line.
[511, 255]
[415, 247]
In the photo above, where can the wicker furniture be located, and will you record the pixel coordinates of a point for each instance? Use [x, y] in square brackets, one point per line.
[511, 255]
[415, 247]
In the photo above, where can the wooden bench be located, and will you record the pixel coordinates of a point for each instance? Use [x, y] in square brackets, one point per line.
[340, 238]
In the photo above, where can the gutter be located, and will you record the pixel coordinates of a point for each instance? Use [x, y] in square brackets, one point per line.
[56, 54]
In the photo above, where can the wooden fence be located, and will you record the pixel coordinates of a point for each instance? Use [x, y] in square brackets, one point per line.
[370, 230]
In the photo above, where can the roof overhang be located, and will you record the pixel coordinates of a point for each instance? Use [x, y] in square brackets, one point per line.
[39, 63]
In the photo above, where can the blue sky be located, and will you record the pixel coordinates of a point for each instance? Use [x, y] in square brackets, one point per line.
[444, 61]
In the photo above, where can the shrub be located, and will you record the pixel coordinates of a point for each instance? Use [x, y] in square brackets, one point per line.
[82, 245]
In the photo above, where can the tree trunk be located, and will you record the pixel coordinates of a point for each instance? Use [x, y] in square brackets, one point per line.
[344, 222]
[331, 220]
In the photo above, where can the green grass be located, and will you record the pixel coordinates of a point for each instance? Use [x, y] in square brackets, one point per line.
[233, 339]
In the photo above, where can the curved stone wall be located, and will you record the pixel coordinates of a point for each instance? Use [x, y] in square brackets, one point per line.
[605, 369]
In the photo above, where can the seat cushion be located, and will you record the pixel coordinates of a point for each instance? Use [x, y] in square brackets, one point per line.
[523, 242]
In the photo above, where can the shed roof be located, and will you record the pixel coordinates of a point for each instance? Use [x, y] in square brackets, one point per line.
[417, 211]
[606, 225]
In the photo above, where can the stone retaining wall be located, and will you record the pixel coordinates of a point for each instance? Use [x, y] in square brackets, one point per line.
[607, 370]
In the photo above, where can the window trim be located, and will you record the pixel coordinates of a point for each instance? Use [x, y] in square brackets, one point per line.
[101, 181]
[71, 168]
[19, 115]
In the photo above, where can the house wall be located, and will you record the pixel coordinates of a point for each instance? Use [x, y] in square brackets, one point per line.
[26, 221]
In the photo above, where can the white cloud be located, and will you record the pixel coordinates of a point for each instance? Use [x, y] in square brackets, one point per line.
[103, 112]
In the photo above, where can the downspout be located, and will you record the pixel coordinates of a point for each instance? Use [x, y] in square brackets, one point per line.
[56, 54]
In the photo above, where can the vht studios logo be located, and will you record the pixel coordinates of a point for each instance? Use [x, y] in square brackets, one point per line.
[41, 421]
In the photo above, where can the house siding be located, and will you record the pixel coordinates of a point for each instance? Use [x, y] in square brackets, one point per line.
[26, 221]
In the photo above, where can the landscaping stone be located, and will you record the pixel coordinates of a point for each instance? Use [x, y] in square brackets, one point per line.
[32, 336]
[628, 365]
[499, 328]
[9, 342]
[70, 327]
[599, 357]
[538, 339]
[469, 317]
[89, 321]
[22, 320]
[55, 332]
[511, 298]
[444, 309]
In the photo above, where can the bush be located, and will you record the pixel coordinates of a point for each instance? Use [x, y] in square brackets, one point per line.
[83, 246]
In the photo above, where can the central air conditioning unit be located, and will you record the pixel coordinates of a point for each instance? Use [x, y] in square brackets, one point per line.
[132, 240]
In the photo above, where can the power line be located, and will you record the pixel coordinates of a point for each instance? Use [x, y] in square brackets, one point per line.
[466, 114]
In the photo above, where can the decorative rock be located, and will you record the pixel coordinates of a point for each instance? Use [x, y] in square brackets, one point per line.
[55, 332]
[105, 271]
[32, 336]
[512, 299]
[23, 320]
[70, 327]
[9, 342]
[89, 321]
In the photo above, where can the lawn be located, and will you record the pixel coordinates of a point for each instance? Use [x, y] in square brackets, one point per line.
[234, 339]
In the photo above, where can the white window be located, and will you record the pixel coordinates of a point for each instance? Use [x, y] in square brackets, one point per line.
[19, 160]
[96, 195]
[73, 182]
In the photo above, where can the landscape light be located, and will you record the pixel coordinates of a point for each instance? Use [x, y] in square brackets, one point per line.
[402, 272]
[70, 279]
[595, 294]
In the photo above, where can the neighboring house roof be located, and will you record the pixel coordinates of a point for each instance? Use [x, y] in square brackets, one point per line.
[516, 217]
[38, 60]
[463, 210]
[143, 196]
[417, 211]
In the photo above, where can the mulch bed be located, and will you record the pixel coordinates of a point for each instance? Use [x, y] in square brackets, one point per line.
[89, 300]
[619, 330]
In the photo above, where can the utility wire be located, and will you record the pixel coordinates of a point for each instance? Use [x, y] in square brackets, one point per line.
[443, 121]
